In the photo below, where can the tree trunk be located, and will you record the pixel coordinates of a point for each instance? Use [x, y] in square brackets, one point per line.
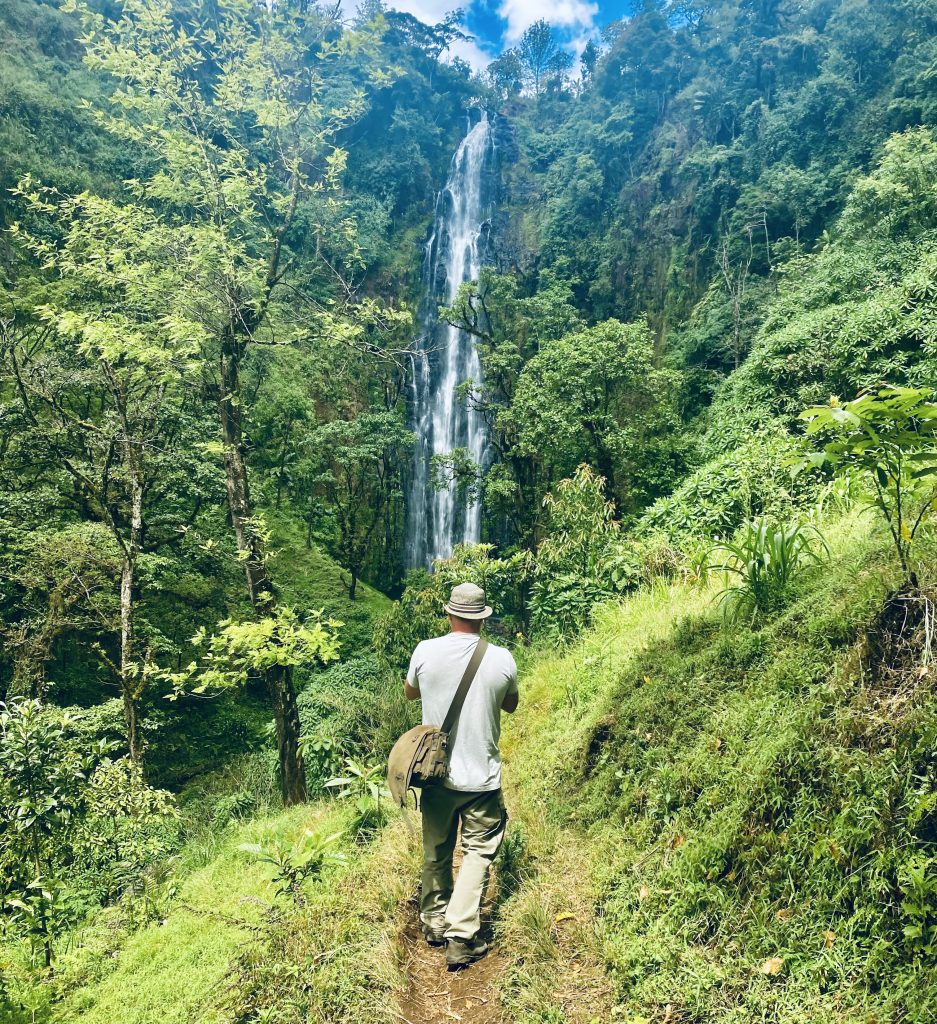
[129, 671]
[127, 688]
[353, 586]
[286, 716]
[259, 585]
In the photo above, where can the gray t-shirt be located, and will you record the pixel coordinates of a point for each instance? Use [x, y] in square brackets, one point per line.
[436, 668]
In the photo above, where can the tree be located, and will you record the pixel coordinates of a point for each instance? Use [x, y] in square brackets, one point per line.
[357, 471]
[735, 275]
[540, 55]
[242, 186]
[595, 396]
[899, 198]
[510, 327]
[889, 435]
[589, 59]
[67, 808]
[506, 75]
[65, 582]
[94, 371]
[432, 40]
[571, 567]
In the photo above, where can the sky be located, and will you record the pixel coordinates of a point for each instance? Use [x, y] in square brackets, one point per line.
[499, 24]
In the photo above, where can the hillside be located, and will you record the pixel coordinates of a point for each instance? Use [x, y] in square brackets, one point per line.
[707, 819]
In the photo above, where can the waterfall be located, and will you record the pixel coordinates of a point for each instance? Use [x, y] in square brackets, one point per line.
[454, 253]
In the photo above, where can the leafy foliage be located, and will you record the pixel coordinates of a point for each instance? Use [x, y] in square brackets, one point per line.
[305, 859]
[239, 650]
[570, 574]
[364, 785]
[75, 822]
[767, 559]
[725, 215]
[888, 435]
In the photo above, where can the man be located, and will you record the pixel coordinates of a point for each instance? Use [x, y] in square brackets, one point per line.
[471, 795]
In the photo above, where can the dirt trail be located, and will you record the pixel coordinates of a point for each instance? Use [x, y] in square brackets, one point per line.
[435, 995]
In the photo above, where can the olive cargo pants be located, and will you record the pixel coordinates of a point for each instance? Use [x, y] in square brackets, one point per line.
[454, 910]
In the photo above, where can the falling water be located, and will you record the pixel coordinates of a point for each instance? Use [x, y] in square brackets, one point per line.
[454, 253]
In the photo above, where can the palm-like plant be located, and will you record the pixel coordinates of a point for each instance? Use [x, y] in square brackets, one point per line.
[364, 784]
[766, 559]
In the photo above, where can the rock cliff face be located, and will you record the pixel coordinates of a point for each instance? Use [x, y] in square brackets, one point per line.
[460, 243]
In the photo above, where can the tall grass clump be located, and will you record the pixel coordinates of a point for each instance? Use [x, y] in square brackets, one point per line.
[766, 559]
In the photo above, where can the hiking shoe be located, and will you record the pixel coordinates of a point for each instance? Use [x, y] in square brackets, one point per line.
[464, 952]
[433, 936]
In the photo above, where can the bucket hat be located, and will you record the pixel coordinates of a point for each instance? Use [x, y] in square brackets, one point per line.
[467, 601]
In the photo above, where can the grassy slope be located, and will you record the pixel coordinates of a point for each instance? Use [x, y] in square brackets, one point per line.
[689, 802]
[219, 949]
[170, 970]
[722, 797]
[311, 580]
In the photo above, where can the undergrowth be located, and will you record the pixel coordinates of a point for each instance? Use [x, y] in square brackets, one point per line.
[712, 822]
[228, 945]
[755, 813]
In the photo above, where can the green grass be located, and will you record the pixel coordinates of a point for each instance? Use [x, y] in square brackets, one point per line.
[709, 798]
[175, 970]
[228, 948]
[310, 580]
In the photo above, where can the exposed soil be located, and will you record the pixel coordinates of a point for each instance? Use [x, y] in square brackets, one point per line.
[436, 995]
[901, 634]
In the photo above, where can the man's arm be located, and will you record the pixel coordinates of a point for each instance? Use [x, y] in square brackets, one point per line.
[509, 704]
[411, 682]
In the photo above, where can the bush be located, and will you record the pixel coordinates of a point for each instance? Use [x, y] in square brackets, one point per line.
[354, 708]
[419, 613]
[571, 570]
[750, 480]
[767, 559]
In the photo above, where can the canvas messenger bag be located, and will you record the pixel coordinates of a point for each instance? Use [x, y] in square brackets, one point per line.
[421, 756]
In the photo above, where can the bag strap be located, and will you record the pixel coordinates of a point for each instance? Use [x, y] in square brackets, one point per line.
[458, 700]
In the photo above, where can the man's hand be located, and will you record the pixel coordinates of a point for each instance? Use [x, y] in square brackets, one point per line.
[509, 704]
[410, 692]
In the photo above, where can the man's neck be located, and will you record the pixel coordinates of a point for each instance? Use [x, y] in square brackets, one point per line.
[464, 626]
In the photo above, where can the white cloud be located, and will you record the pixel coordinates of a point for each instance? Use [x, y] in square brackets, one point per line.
[430, 11]
[471, 53]
[578, 15]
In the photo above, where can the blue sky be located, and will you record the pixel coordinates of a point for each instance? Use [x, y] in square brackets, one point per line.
[498, 24]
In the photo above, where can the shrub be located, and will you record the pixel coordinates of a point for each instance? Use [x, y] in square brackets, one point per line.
[293, 865]
[571, 570]
[889, 436]
[364, 784]
[752, 479]
[76, 827]
[419, 612]
[766, 559]
[354, 708]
